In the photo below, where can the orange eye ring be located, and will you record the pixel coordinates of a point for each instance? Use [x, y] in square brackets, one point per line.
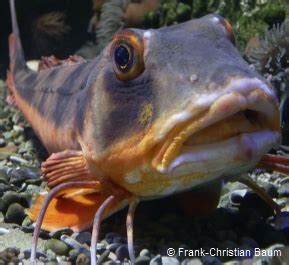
[229, 30]
[127, 55]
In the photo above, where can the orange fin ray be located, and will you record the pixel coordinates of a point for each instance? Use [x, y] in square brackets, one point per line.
[66, 166]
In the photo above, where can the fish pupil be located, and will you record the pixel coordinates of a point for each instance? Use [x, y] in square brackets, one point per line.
[121, 57]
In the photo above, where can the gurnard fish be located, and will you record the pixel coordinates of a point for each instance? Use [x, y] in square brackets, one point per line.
[159, 112]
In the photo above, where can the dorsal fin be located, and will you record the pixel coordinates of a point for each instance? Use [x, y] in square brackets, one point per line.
[16, 53]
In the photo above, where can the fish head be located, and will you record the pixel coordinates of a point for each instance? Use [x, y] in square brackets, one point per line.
[178, 107]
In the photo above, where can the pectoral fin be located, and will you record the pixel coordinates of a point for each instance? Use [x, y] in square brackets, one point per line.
[66, 166]
[75, 194]
[75, 211]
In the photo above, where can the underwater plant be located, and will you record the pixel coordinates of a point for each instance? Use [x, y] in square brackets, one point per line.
[271, 58]
[248, 17]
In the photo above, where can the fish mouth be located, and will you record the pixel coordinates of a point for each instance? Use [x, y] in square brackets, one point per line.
[228, 134]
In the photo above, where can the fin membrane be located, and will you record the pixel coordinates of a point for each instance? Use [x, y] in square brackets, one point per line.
[66, 166]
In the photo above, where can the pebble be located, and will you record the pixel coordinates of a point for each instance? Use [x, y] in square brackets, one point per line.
[269, 188]
[39, 254]
[120, 239]
[209, 260]
[59, 232]
[15, 214]
[112, 256]
[157, 260]
[194, 261]
[51, 263]
[83, 238]
[2, 142]
[113, 246]
[142, 260]
[237, 196]
[170, 261]
[82, 259]
[284, 190]
[57, 246]
[3, 231]
[249, 241]
[69, 241]
[18, 160]
[103, 257]
[122, 252]
[110, 236]
[13, 197]
[145, 252]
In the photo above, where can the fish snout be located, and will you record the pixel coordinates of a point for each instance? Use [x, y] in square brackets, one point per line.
[222, 130]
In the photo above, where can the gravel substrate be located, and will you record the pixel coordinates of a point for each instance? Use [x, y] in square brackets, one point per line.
[243, 223]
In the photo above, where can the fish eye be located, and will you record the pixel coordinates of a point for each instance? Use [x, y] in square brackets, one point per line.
[123, 58]
[127, 55]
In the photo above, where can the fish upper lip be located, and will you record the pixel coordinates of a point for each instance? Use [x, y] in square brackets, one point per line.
[255, 97]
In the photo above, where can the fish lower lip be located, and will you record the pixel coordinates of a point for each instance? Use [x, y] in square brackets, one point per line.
[238, 149]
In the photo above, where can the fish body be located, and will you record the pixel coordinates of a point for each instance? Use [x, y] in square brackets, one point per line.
[159, 112]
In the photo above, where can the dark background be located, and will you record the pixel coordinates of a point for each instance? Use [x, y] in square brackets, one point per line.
[37, 44]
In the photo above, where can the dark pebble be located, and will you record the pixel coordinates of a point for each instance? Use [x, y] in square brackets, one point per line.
[157, 260]
[270, 189]
[73, 254]
[113, 247]
[27, 254]
[4, 174]
[122, 252]
[142, 260]
[59, 232]
[15, 214]
[4, 188]
[120, 239]
[13, 197]
[208, 260]
[249, 241]
[273, 237]
[237, 196]
[254, 201]
[103, 257]
[110, 236]
[20, 175]
[84, 238]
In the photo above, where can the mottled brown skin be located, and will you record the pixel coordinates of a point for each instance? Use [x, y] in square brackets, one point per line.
[117, 126]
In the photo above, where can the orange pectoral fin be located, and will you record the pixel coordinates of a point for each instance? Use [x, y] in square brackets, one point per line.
[75, 211]
[66, 166]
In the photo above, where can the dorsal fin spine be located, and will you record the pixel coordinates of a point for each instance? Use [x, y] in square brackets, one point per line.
[15, 47]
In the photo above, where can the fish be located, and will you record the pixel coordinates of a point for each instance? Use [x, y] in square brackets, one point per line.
[158, 112]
